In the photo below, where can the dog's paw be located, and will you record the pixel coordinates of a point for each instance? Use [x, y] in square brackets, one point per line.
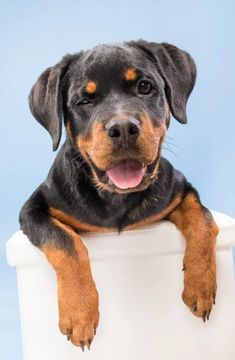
[79, 314]
[199, 290]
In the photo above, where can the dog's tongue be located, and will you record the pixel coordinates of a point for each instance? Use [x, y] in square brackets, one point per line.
[127, 174]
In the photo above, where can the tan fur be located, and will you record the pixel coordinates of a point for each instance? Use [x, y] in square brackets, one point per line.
[77, 294]
[66, 219]
[154, 218]
[96, 146]
[130, 74]
[168, 114]
[75, 223]
[150, 137]
[69, 131]
[199, 261]
[101, 150]
[91, 87]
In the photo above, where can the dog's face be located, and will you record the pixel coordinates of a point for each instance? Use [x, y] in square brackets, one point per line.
[116, 114]
[116, 102]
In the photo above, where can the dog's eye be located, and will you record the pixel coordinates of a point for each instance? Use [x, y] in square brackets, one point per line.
[83, 102]
[144, 87]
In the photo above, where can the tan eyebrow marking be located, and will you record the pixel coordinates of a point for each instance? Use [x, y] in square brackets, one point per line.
[130, 74]
[91, 87]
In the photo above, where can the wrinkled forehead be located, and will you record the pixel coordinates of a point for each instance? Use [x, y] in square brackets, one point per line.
[107, 64]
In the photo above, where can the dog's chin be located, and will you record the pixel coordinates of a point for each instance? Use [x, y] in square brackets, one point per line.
[128, 175]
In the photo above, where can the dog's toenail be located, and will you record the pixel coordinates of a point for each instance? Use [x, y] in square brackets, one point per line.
[82, 345]
[89, 344]
[69, 333]
[204, 316]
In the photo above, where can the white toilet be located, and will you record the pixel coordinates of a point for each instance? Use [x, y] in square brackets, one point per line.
[139, 278]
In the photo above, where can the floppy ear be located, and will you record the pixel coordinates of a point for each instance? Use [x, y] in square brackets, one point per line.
[45, 100]
[178, 71]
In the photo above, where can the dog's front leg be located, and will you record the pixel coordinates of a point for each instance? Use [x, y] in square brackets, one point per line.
[199, 229]
[77, 294]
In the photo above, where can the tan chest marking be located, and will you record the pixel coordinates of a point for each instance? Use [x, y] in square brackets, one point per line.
[77, 224]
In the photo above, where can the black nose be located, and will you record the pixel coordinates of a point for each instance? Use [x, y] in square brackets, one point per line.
[123, 131]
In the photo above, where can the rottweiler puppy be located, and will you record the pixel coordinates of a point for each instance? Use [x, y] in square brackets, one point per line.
[115, 101]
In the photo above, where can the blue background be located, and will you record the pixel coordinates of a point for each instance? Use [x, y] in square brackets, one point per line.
[36, 34]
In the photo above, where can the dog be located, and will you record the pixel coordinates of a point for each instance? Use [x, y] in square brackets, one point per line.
[115, 101]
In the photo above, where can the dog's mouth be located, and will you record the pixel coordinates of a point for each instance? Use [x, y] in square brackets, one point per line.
[127, 174]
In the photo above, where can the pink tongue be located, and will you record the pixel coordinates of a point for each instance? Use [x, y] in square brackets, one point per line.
[127, 174]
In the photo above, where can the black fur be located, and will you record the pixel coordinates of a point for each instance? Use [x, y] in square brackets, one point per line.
[69, 186]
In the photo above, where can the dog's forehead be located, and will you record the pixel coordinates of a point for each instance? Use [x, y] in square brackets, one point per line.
[106, 52]
[110, 56]
[111, 61]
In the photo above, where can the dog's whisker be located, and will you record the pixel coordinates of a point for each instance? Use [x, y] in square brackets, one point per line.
[171, 138]
[171, 151]
[171, 142]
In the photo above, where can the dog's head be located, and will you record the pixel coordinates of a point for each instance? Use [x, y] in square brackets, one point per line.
[116, 102]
